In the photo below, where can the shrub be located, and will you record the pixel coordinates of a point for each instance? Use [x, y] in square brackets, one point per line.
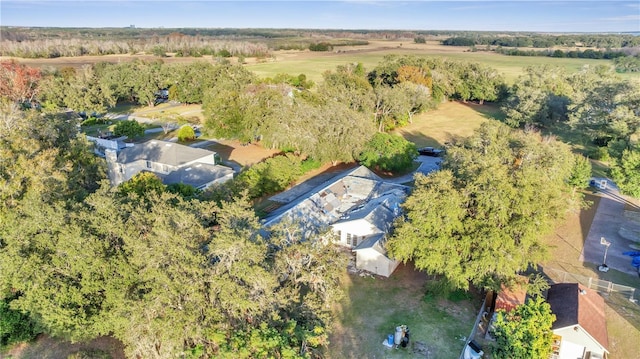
[186, 133]
[224, 53]
[309, 164]
[321, 46]
[600, 154]
[184, 190]
[131, 129]
[15, 326]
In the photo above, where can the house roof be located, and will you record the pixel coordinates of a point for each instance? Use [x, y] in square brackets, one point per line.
[197, 175]
[574, 304]
[353, 191]
[380, 211]
[164, 152]
[375, 242]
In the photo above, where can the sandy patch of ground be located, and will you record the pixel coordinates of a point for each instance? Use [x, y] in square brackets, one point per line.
[242, 154]
[45, 347]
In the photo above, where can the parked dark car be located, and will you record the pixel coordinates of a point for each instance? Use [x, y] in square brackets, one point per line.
[430, 151]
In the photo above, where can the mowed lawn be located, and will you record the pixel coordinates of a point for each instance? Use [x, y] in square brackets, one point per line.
[374, 307]
[450, 121]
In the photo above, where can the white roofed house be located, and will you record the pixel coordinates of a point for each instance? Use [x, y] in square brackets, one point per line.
[172, 162]
[359, 207]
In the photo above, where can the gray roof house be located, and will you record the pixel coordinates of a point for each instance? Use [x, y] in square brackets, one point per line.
[172, 162]
[359, 207]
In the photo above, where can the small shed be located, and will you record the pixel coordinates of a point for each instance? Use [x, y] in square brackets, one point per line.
[372, 256]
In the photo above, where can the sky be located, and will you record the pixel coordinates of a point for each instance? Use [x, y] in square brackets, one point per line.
[539, 16]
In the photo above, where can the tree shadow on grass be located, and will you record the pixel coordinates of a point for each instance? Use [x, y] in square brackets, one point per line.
[489, 110]
[421, 140]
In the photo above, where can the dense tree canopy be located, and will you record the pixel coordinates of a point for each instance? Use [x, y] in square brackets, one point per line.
[626, 172]
[479, 219]
[388, 153]
[165, 275]
[540, 96]
[18, 82]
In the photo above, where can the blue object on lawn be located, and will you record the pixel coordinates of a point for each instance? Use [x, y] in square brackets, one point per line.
[390, 339]
[631, 253]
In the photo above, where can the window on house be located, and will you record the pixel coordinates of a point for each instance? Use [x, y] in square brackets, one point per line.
[148, 164]
[355, 241]
[348, 239]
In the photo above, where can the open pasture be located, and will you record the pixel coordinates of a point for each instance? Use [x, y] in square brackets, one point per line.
[314, 64]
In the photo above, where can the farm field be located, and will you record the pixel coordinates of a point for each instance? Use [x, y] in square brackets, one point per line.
[314, 64]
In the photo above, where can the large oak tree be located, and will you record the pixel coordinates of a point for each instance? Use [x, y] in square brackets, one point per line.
[479, 219]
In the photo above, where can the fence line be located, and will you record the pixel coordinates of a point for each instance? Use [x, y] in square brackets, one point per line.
[603, 286]
[475, 327]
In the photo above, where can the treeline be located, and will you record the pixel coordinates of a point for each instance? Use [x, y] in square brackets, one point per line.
[176, 43]
[585, 54]
[600, 41]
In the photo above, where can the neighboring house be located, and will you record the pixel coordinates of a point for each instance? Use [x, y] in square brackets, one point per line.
[108, 143]
[580, 329]
[359, 207]
[172, 162]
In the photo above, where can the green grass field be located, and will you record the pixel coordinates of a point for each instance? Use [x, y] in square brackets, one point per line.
[315, 64]
[374, 307]
[449, 121]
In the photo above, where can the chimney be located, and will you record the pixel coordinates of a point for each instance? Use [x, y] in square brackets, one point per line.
[113, 168]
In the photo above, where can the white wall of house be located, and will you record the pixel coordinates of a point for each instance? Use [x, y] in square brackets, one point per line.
[373, 261]
[352, 233]
[579, 337]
